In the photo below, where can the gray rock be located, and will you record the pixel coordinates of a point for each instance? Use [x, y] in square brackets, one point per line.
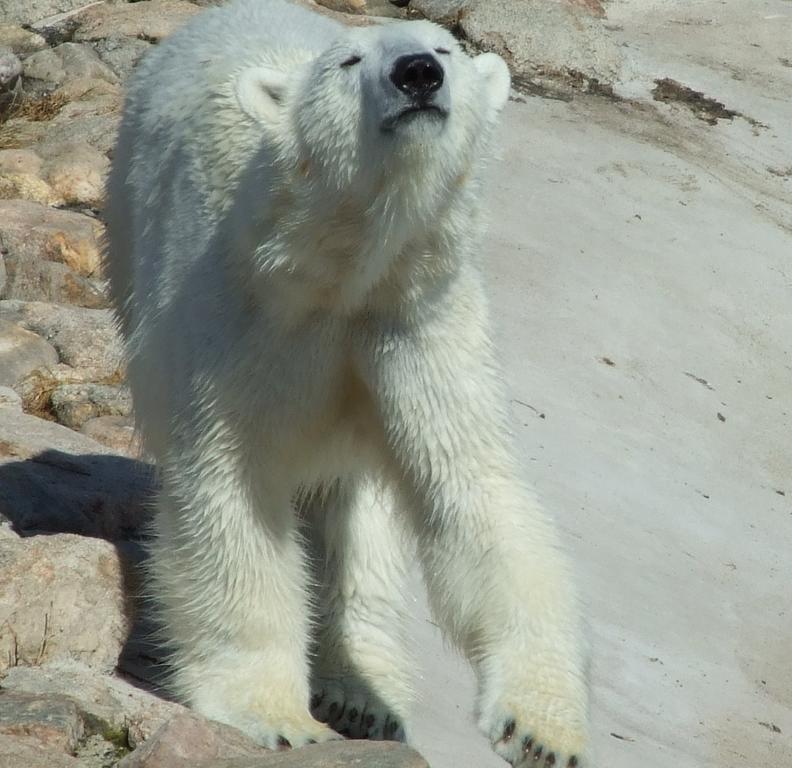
[86, 339]
[28, 11]
[53, 479]
[440, 11]
[49, 254]
[20, 40]
[68, 61]
[120, 53]
[75, 171]
[74, 404]
[10, 399]
[27, 752]
[149, 20]
[10, 68]
[189, 740]
[52, 720]
[61, 597]
[22, 176]
[21, 353]
[544, 36]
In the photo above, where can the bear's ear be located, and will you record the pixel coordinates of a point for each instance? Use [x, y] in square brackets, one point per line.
[260, 92]
[497, 81]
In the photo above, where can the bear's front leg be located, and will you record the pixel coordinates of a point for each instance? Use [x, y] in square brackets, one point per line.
[497, 580]
[361, 682]
[229, 579]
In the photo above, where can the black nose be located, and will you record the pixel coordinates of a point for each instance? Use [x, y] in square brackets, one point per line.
[417, 74]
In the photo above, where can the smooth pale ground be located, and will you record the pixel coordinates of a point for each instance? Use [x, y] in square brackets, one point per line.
[636, 233]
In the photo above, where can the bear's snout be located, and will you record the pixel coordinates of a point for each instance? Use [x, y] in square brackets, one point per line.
[417, 75]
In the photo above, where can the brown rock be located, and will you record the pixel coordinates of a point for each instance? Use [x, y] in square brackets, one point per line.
[54, 721]
[49, 253]
[336, 754]
[74, 404]
[21, 176]
[115, 432]
[61, 597]
[344, 6]
[108, 700]
[21, 353]
[149, 20]
[20, 40]
[76, 172]
[27, 752]
[190, 740]
[86, 339]
[53, 479]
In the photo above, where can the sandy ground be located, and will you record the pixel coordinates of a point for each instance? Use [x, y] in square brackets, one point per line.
[641, 270]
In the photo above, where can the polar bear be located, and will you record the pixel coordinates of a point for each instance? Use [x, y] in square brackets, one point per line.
[295, 230]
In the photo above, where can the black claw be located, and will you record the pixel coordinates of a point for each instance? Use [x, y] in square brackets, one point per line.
[508, 731]
[573, 761]
[550, 759]
[333, 709]
[370, 721]
[538, 753]
[353, 713]
[283, 743]
[527, 744]
[316, 700]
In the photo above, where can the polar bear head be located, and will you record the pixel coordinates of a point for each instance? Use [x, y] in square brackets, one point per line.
[377, 97]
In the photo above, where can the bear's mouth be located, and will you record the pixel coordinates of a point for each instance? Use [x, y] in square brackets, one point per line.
[414, 109]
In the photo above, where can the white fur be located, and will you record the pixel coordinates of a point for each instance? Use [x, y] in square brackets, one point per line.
[297, 276]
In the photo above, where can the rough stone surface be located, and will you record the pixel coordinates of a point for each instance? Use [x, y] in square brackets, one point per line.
[21, 173]
[76, 172]
[20, 40]
[10, 399]
[188, 739]
[86, 339]
[28, 11]
[74, 404]
[149, 19]
[107, 701]
[337, 754]
[53, 479]
[68, 61]
[27, 752]
[115, 432]
[49, 254]
[22, 352]
[61, 597]
[120, 53]
[52, 720]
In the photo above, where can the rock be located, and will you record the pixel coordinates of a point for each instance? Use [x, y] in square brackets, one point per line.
[544, 37]
[27, 752]
[440, 11]
[54, 721]
[49, 254]
[62, 597]
[344, 6]
[53, 479]
[21, 353]
[10, 399]
[148, 20]
[10, 68]
[74, 404]
[335, 754]
[106, 703]
[68, 61]
[189, 739]
[115, 432]
[76, 172]
[20, 40]
[29, 11]
[2, 273]
[86, 339]
[21, 177]
[121, 54]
